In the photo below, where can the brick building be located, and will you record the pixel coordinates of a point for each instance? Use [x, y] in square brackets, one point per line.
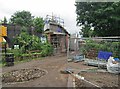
[56, 33]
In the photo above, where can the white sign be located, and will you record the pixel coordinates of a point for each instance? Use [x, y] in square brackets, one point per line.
[16, 46]
[43, 39]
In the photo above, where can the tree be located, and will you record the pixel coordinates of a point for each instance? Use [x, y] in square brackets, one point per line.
[103, 16]
[87, 31]
[4, 21]
[38, 24]
[22, 18]
[26, 41]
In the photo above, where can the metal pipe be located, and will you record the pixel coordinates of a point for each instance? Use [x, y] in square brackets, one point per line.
[68, 48]
[82, 78]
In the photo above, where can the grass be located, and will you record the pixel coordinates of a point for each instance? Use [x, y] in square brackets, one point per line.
[22, 58]
[28, 60]
[2, 64]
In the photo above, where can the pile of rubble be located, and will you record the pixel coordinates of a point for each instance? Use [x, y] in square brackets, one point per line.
[22, 75]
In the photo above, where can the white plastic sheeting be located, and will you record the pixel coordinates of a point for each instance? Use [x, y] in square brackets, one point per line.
[46, 26]
[113, 68]
[95, 63]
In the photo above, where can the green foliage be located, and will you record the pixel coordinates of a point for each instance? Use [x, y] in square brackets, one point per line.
[103, 16]
[4, 21]
[23, 29]
[47, 49]
[36, 43]
[17, 52]
[27, 42]
[87, 31]
[22, 18]
[38, 24]
[113, 47]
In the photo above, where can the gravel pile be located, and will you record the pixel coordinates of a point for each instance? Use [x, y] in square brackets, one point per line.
[22, 75]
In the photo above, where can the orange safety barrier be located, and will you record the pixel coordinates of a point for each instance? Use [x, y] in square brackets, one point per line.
[3, 31]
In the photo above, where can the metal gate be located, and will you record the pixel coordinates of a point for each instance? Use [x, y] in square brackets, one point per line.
[73, 50]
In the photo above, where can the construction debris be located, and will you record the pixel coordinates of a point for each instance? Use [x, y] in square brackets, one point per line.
[22, 75]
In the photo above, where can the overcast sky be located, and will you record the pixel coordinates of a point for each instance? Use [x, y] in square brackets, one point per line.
[62, 8]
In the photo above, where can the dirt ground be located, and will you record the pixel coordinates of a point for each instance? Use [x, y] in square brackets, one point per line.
[101, 79]
[52, 65]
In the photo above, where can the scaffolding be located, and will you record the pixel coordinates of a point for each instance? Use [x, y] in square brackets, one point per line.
[54, 19]
[59, 43]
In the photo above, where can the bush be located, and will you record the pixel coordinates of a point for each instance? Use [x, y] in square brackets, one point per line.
[28, 42]
[47, 49]
[113, 47]
[16, 52]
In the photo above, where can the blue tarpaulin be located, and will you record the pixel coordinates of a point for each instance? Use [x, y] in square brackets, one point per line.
[104, 55]
[117, 59]
[59, 29]
[78, 58]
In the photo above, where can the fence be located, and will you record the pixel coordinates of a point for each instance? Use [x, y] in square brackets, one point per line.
[91, 46]
[73, 50]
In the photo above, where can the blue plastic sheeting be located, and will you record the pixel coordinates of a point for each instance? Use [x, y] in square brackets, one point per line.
[117, 59]
[46, 22]
[78, 58]
[104, 55]
[59, 29]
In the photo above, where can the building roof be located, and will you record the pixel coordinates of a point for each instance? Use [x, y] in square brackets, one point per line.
[57, 33]
[56, 21]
